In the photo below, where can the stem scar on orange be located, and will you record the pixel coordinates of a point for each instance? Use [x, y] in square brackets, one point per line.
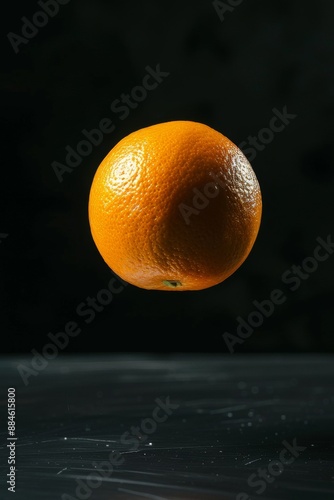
[175, 206]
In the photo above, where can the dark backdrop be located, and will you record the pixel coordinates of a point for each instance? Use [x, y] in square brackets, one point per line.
[228, 73]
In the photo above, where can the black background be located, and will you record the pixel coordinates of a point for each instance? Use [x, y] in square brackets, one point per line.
[229, 75]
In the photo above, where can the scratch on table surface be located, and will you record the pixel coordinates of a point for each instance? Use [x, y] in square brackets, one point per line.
[179, 448]
[19, 444]
[145, 473]
[65, 468]
[140, 494]
[35, 442]
[268, 402]
[67, 439]
[252, 461]
[94, 440]
[131, 451]
[189, 488]
[78, 439]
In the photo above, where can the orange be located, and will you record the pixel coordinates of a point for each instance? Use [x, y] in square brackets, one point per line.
[175, 206]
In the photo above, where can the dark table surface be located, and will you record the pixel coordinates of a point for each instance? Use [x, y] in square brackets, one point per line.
[139, 426]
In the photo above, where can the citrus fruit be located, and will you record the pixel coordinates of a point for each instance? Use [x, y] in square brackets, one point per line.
[175, 206]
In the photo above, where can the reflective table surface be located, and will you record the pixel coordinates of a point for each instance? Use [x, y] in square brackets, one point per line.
[176, 427]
